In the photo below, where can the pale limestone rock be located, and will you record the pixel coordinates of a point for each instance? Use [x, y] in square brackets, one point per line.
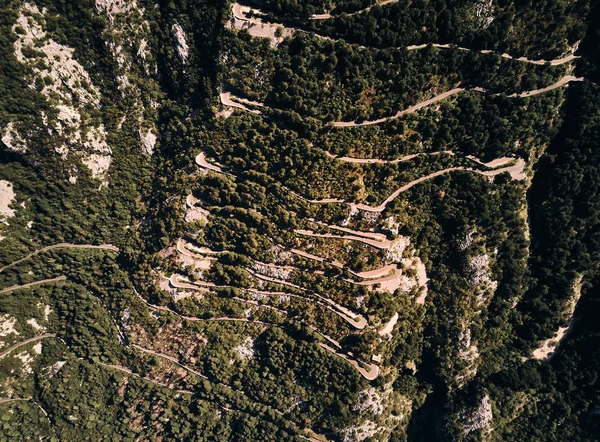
[180, 42]
[7, 196]
[246, 349]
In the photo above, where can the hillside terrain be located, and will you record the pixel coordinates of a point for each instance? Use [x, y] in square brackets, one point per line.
[290, 221]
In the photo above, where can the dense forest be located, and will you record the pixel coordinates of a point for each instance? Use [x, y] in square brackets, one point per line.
[540, 30]
[320, 235]
[365, 83]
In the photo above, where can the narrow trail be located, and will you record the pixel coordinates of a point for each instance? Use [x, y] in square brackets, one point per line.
[259, 305]
[313, 201]
[275, 280]
[233, 390]
[152, 381]
[563, 81]
[153, 306]
[61, 246]
[188, 392]
[31, 284]
[25, 342]
[17, 399]
[170, 358]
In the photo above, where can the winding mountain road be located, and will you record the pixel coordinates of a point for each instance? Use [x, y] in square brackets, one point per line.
[369, 374]
[554, 62]
[562, 82]
[515, 171]
[181, 248]
[227, 100]
[356, 320]
[257, 28]
[327, 16]
[398, 114]
[369, 274]
[382, 161]
[371, 242]
[201, 161]
[366, 373]
[353, 319]
[388, 328]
